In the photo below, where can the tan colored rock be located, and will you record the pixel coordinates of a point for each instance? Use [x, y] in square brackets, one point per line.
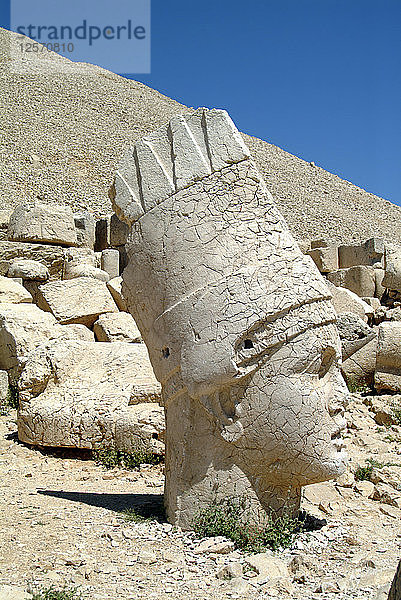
[392, 267]
[326, 259]
[3, 385]
[373, 302]
[79, 300]
[345, 301]
[111, 262]
[43, 223]
[28, 269]
[4, 219]
[215, 545]
[370, 253]
[387, 494]
[365, 488]
[354, 333]
[388, 361]
[215, 298]
[267, 565]
[12, 592]
[23, 327]
[360, 367]
[84, 270]
[50, 256]
[115, 288]
[359, 279]
[85, 229]
[12, 292]
[116, 327]
[90, 394]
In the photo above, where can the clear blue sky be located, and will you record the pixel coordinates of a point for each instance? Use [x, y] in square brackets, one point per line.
[319, 78]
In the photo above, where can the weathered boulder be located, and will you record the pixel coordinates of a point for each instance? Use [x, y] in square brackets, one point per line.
[116, 327]
[23, 327]
[50, 256]
[326, 259]
[89, 395]
[13, 292]
[359, 368]
[370, 253]
[359, 279]
[345, 301]
[79, 300]
[85, 228]
[28, 269]
[354, 333]
[43, 223]
[84, 270]
[115, 288]
[392, 267]
[388, 360]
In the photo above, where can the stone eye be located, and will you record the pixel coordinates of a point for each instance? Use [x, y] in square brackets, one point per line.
[166, 352]
[248, 344]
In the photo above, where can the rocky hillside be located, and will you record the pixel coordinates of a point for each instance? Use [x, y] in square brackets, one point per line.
[65, 125]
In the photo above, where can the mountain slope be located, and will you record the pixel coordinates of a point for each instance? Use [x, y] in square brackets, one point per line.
[65, 125]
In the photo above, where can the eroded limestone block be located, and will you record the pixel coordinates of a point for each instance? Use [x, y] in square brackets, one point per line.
[85, 270]
[118, 231]
[12, 292]
[23, 327]
[388, 360]
[232, 313]
[50, 256]
[28, 269]
[117, 327]
[360, 280]
[392, 267]
[115, 288]
[360, 367]
[354, 333]
[85, 228]
[345, 301]
[44, 223]
[326, 259]
[79, 300]
[370, 253]
[90, 394]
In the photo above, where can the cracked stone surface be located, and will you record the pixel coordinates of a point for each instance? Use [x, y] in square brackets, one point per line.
[90, 394]
[238, 322]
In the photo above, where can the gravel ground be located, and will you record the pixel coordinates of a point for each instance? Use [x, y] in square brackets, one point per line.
[65, 125]
[61, 524]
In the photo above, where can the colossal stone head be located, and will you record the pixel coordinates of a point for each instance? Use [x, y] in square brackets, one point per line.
[238, 322]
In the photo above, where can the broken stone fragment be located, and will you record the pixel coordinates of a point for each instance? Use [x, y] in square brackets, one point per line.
[12, 292]
[116, 327]
[28, 269]
[79, 300]
[90, 394]
[388, 362]
[43, 223]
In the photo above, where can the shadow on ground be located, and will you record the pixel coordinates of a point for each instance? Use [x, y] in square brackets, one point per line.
[149, 506]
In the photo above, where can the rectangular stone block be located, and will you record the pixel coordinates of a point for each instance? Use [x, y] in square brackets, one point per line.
[43, 223]
[388, 359]
[369, 254]
[360, 280]
[326, 259]
[79, 300]
[392, 267]
[118, 231]
[318, 244]
[50, 256]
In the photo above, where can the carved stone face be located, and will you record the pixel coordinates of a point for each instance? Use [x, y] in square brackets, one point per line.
[287, 415]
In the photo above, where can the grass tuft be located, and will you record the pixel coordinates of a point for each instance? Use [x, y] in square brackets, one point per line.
[228, 518]
[110, 458]
[52, 593]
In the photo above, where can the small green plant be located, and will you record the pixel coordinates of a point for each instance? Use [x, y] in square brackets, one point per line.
[132, 516]
[228, 518]
[397, 415]
[52, 593]
[357, 387]
[110, 457]
[11, 401]
[363, 473]
[375, 463]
